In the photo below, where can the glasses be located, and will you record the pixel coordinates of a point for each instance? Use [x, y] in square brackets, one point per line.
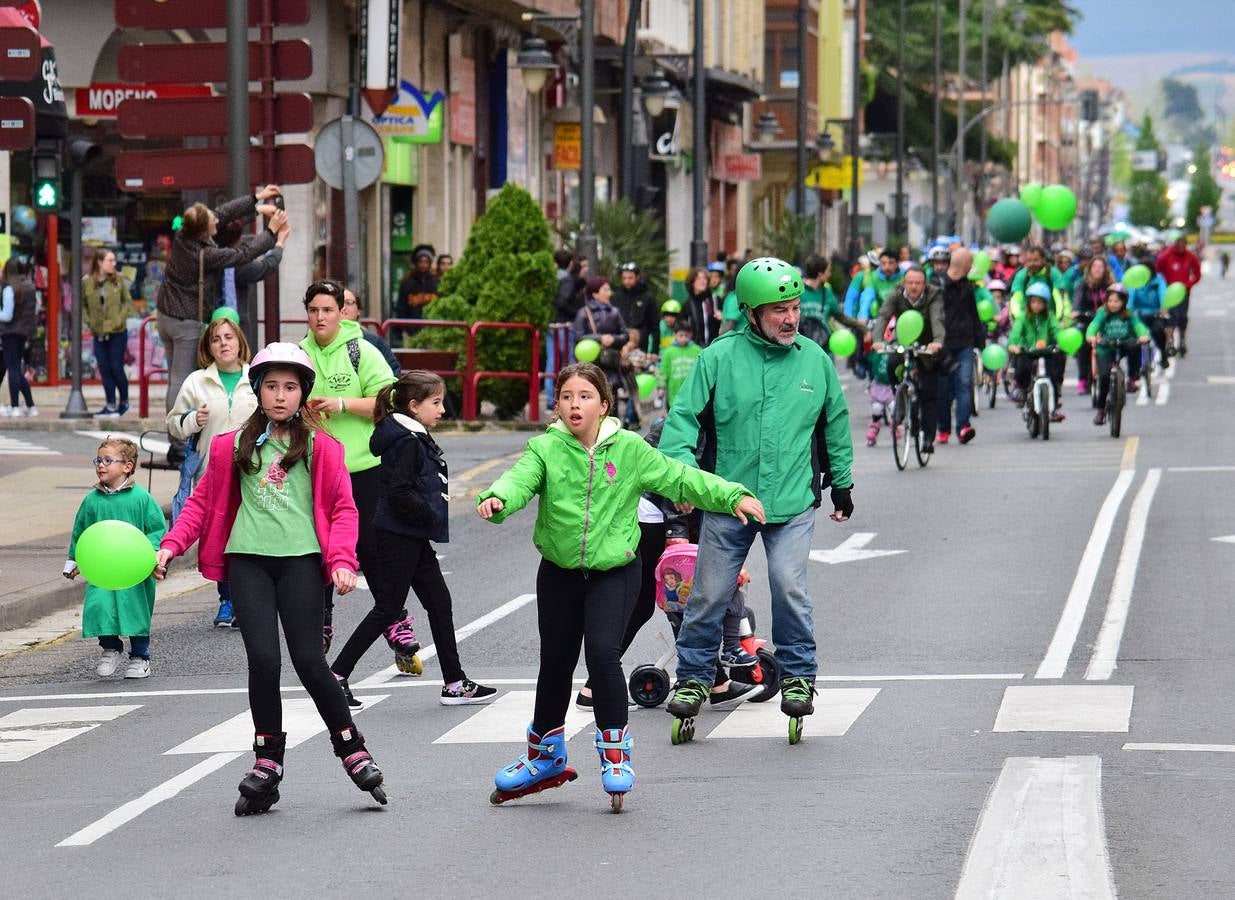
[107, 461]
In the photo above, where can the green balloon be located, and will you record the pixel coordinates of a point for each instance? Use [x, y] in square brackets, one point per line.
[843, 342]
[1031, 194]
[986, 310]
[114, 555]
[1009, 221]
[981, 262]
[909, 326]
[1057, 208]
[1070, 340]
[994, 357]
[646, 384]
[992, 325]
[587, 350]
[1175, 295]
[1137, 277]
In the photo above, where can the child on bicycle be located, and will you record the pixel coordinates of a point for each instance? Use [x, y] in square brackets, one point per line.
[879, 389]
[1112, 332]
[1037, 329]
[1146, 302]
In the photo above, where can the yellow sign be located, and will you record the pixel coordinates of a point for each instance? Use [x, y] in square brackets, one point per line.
[567, 145]
[838, 177]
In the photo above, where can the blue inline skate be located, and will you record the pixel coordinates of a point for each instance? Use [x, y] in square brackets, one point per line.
[259, 789]
[616, 775]
[543, 767]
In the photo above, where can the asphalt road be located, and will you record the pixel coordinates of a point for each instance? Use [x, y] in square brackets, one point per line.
[1029, 699]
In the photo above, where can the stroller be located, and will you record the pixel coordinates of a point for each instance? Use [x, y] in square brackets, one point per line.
[675, 572]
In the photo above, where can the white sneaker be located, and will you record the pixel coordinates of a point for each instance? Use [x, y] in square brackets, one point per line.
[7, 412]
[29, 412]
[137, 668]
[109, 661]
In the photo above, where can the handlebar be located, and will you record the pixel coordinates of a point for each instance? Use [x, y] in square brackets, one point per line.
[1126, 344]
[1040, 351]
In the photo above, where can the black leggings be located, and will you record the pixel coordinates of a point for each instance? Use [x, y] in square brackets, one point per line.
[591, 608]
[265, 591]
[14, 347]
[366, 488]
[406, 563]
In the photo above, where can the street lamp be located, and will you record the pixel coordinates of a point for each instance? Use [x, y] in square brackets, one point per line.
[767, 127]
[656, 91]
[826, 146]
[536, 63]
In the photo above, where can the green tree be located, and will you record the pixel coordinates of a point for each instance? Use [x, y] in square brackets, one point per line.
[1148, 204]
[1121, 161]
[791, 239]
[1203, 189]
[506, 274]
[624, 235]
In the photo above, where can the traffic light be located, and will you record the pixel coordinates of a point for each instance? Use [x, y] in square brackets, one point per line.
[46, 186]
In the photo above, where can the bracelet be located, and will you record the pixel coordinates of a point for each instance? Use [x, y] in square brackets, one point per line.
[341, 409]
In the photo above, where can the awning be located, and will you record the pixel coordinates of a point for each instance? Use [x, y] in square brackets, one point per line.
[51, 119]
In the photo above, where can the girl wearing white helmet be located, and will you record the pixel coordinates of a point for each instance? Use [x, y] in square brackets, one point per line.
[275, 518]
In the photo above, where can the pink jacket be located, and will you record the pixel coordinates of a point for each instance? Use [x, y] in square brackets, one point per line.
[211, 509]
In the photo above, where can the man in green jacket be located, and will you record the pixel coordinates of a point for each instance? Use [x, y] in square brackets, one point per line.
[762, 407]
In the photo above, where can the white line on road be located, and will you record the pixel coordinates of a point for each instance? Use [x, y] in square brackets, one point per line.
[1187, 748]
[1201, 468]
[1106, 650]
[994, 676]
[301, 721]
[505, 721]
[152, 797]
[1164, 394]
[1055, 662]
[151, 444]
[836, 709]
[1065, 707]
[1041, 835]
[426, 653]
[25, 732]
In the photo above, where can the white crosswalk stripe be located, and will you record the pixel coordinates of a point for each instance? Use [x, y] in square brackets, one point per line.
[506, 720]
[836, 709]
[152, 442]
[25, 732]
[11, 446]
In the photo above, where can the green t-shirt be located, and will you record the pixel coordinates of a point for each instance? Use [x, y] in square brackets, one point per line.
[230, 380]
[676, 363]
[812, 302]
[276, 508]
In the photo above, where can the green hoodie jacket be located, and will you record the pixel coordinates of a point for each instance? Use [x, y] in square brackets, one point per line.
[771, 417]
[1116, 328]
[589, 501]
[1028, 330]
[337, 377]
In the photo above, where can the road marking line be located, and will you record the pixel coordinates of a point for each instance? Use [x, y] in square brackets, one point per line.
[152, 444]
[1164, 394]
[427, 653]
[1188, 748]
[836, 709]
[25, 732]
[1055, 662]
[1106, 650]
[1142, 397]
[1170, 373]
[505, 721]
[1065, 707]
[151, 798]
[1041, 834]
[1131, 445]
[1220, 379]
[994, 676]
[1201, 468]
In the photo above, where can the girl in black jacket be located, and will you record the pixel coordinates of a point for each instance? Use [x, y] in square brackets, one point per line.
[411, 512]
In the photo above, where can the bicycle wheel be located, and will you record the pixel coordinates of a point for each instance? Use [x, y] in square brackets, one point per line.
[990, 383]
[1042, 407]
[1115, 399]
[974, 382]
[900, 426]
[1147, 369]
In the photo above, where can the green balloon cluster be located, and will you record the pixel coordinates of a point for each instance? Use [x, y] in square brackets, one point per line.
[843, 342]
[1137, 277]
[994, 357]
[1175, 294]
[587, 350]
[1009, 221]
[114, 555]
[1070, 340]
[1057, 207]
[909, 326]
[646, 384]
[986, 310]
[981, 263]
[1031, 194]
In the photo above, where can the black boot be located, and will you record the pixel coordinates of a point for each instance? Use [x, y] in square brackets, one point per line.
[349, 747]
[259, 789]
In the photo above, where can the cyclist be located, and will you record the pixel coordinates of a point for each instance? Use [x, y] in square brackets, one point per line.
[1178, 264]
[1146, 302]
[870, 288]
[1117, 257]
[1009, 264]
[938, 258]
[1038, 271]
[926, 299]
[1065, 262]
[1037, 329]
[1112, 328]
[1087, 299]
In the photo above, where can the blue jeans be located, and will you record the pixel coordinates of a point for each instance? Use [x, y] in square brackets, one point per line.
[553, 364]
[109, 352]
[959, 387]
[139, 645]
[724, 543]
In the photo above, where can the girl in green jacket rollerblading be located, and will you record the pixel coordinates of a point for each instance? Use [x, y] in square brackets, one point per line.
[589, 473]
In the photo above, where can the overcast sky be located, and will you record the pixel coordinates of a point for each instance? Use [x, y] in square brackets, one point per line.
[1116, 27]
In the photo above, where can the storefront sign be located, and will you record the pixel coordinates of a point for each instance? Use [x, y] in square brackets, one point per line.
[98, 229]
[102, 99]
[462, 101]
[741, 167]
[567, 145]
[663, 136]
[412, 117]
[837, 177]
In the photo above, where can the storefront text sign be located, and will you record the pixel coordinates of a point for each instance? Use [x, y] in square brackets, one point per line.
[567, 145]
[413, 117]
[102, 99]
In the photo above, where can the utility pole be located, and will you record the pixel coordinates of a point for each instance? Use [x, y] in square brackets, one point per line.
[854, 128]
[958, 224]
[627, 146]
[980, 200]
[698, 246]
[587, 133]
[238, 135]
[799, 181]
[937, 140]
[899, 225]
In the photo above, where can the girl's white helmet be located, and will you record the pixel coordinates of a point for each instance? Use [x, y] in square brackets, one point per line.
[282, 355]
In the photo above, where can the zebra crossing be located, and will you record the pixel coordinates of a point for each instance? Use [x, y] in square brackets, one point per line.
[11, 446]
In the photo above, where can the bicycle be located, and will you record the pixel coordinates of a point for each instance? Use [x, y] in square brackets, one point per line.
[1117, 394]
[906, 418]
[973, 382]
[1040, 402]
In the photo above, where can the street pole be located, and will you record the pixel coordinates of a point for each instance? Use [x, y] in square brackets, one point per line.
[627, 142]
[698, 246]
[75, 408]
[587, 165]
[937, 140]
[270, 284]
[799, 179]
[958, 224]
[899, 226]
[351, 197]
[854, 128]
[982, 151]
[238, 134]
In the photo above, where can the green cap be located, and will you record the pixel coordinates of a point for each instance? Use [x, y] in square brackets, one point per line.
[225, 312]
[767, 280]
